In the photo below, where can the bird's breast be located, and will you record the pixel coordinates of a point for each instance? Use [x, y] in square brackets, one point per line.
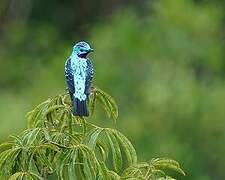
[79, 67]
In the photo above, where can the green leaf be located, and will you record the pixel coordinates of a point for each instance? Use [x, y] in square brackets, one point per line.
[8, 158]
[67, 145]
[71, 165]
[36, 115]
[116, 153]
[112, 105]
[101, 99]
[103, 171]
[16, 176]
[164, 163]
[132, 170]
[92, 103]
[33, 136]
[127, 146]
[87, 168]
[89, 162]
[83, 124]
[92, 137]
[107, 102]
[36, 176]
[6, 145]
[113, 175]
[62, 162]
[80, 168]
[47, 134]
[103, 149]
[44, 159]
[18, 140]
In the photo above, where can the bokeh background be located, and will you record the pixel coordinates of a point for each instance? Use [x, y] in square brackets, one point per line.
[162, 60]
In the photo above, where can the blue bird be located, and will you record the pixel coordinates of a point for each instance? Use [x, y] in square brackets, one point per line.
[79, 75]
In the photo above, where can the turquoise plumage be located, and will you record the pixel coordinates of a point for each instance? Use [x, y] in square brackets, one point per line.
[79, 74]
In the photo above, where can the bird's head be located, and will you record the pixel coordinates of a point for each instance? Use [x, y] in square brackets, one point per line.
[82, 49]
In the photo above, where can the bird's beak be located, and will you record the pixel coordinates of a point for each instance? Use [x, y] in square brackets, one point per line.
[90, 50]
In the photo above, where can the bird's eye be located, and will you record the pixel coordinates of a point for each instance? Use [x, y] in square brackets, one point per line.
[81, 50]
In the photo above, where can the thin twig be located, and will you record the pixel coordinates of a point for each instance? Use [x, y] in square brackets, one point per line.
[59, 145]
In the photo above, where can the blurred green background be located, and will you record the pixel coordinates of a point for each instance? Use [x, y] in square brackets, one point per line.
[162, 60]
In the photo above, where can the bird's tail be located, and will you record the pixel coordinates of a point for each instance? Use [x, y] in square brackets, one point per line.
[80, 107]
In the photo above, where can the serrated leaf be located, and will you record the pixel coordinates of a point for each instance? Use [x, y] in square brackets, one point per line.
[107, 102]
[87, 164]
[34, 115]
[165, 160]
[41, 155]
[103, 171]
[71, 166]
[92, 138]
[82, 122]
[8, 157]
[102, 150]
[164, 163]
[169, 166]
[18, 140]
[127, 146]
[5, 145]
[113, 175]
[33, 136]
[116, 153]
[47, 134]
[157, 173]
[79, 167]
[16, 176]
[92, 103]
[112, 106]
[63, 160]
[101, 99]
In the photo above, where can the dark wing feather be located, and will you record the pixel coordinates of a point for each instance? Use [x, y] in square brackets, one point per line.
[69, 77]
[89, 77]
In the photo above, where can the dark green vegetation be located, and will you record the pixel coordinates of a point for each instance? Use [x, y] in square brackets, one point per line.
[57, 144]
[163, 61]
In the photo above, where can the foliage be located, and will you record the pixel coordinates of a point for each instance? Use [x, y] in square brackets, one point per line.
[57, 143]
[164, 62]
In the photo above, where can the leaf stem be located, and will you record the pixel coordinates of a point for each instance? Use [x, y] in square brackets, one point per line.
[59, 145]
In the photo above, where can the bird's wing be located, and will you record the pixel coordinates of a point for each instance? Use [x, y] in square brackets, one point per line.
[69, 77]
[89, 76]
